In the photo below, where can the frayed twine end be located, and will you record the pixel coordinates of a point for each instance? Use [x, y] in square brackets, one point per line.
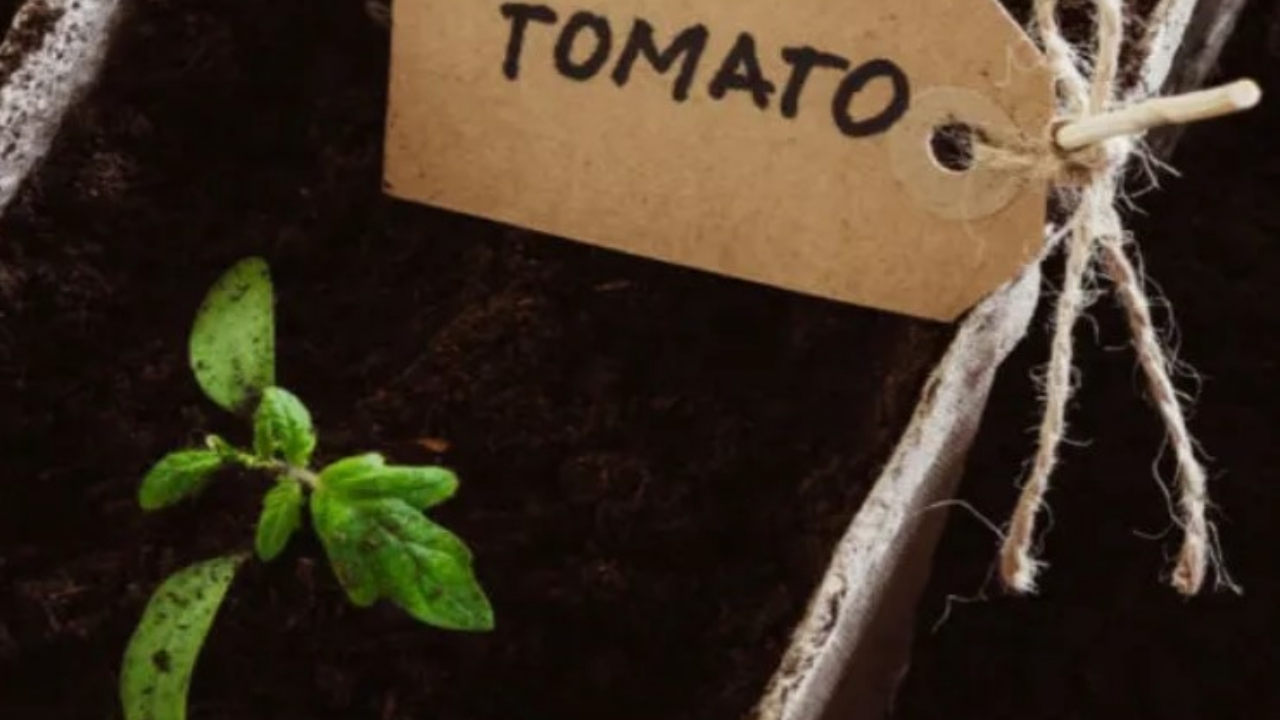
[1018, 570]
[1193, 562]
[1086, 153]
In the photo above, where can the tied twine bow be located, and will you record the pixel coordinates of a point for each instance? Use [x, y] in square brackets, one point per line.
[1088, 166]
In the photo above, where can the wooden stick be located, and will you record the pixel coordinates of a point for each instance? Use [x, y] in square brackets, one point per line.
[1211, 23]
[1175, 110]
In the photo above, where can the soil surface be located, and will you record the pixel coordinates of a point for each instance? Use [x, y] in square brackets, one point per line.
[655, 462]
[1107, 637]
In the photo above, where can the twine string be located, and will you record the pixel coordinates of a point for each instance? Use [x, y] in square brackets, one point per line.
[1193, 558]
[1095, 235]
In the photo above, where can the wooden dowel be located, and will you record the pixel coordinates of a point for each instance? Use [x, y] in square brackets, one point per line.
[1174, 110]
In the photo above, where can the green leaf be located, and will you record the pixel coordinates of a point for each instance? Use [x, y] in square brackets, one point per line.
[233, 340]
[368, 477]
[281, 517]
[340, 527]
[177, 476]
[162, 652]
[282, 428]
[407, 522]
[385, 548]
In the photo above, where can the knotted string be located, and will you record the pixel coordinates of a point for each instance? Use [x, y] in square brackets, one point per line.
[1092, 179]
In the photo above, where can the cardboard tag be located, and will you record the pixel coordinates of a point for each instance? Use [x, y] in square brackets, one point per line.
[784, 143]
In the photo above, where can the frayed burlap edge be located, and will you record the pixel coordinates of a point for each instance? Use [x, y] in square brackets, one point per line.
[53, 51]
[862, 612]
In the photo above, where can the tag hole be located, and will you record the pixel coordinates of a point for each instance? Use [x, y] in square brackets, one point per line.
[952, 146]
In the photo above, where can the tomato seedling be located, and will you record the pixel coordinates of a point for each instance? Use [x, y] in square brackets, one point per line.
[367, 513]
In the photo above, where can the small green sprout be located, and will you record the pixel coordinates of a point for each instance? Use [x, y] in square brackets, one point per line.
[367, 513]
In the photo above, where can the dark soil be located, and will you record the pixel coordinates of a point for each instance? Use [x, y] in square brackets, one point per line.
[655, 462]
[1108, 638]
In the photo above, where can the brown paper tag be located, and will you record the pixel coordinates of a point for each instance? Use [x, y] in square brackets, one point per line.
[784, 143]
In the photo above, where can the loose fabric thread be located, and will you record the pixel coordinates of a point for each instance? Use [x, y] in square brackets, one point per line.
[1095, 232]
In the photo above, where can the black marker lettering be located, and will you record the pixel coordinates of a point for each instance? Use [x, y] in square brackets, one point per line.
[854, 82]
[802, 61]
[690, 44]
[739, 71]
[750, 77]
[520, 15]
[568, 36]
